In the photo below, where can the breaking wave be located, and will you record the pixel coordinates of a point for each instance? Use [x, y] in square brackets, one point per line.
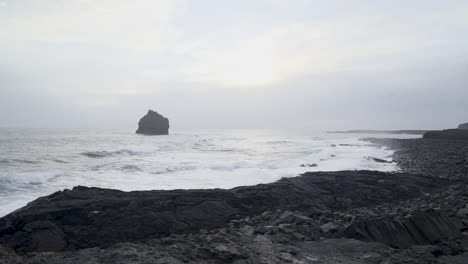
[104, 154]
[126, 161]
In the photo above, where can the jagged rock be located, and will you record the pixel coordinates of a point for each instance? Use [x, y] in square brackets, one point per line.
[153, 124]
[422, 227]
[269, 223]
[69, 213]
[463, 126]
[451, 134]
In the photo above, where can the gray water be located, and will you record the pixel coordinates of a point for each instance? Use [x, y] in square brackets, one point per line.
[38, 162]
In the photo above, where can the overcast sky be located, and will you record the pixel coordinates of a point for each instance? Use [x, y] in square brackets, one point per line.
[334, 64]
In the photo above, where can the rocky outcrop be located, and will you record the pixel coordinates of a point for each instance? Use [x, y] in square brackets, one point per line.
[424, 227]
[449, 134]
[348, 217]
[463, 126]
[88, 217]
[422, 234]
[153, 124]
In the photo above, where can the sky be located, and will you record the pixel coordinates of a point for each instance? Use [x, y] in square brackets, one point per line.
[244, 64]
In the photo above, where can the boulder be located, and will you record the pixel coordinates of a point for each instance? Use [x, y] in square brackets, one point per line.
[463, 126]
[153, 124]
[451, 134]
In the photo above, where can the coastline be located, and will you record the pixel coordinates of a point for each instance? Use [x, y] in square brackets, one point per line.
[417, 216]
[438, 158]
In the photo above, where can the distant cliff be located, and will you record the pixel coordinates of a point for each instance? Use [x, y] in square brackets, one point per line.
[153, 124]
[463, 126]
[450, 134]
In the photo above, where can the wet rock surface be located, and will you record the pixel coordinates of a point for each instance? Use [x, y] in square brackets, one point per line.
[321, 217]
[153, 124]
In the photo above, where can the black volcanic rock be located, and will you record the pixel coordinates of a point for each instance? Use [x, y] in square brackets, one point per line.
[153, 124]
[89, 217]
[320, 217]
[435, 158]
[463, 126]
[452, 134]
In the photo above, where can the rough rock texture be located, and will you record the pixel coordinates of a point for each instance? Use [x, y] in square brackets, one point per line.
[324, 217]
[153, 124]
[463, 126]
[449, 134]
[88, 217]
[294, 237]
[435, 158]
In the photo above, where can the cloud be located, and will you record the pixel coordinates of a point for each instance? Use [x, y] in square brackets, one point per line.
[353, 43]
[294, 59]
[140, 26]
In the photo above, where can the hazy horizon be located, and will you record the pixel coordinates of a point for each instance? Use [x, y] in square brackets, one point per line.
[316, 65]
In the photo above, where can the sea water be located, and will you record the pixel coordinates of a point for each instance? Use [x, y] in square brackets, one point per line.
[38, 162]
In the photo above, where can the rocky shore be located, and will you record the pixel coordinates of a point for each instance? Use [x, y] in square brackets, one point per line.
[419, 215]
[437, 158]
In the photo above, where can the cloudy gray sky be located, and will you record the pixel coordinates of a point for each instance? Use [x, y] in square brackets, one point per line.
[334, 64]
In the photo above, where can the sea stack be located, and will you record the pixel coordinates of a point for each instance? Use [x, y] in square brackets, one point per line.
[463, 126]
[153, 124]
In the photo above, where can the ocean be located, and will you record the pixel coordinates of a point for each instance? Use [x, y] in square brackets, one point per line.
[38, 162]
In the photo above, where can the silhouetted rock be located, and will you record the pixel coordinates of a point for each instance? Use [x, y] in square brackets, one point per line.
[463, 126]
[153, 124]
[451, 134]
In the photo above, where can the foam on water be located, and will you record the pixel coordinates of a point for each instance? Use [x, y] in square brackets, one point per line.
[35, 163]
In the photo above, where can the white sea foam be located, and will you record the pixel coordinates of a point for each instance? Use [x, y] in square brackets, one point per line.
[23, 179]
[221, 159]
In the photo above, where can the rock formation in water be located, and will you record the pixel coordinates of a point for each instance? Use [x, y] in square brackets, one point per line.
[153, 124]
[463, 126]
[450, 134]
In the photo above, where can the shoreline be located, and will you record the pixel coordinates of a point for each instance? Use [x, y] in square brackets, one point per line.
[317, 217]
[436, 158]
[371, 131]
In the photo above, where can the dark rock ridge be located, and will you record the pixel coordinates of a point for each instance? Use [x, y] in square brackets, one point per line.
[463, 126]
[425, 229]
[88, 217]
[153, 124]
[351, 217]
[451, 134]
[363, 131]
